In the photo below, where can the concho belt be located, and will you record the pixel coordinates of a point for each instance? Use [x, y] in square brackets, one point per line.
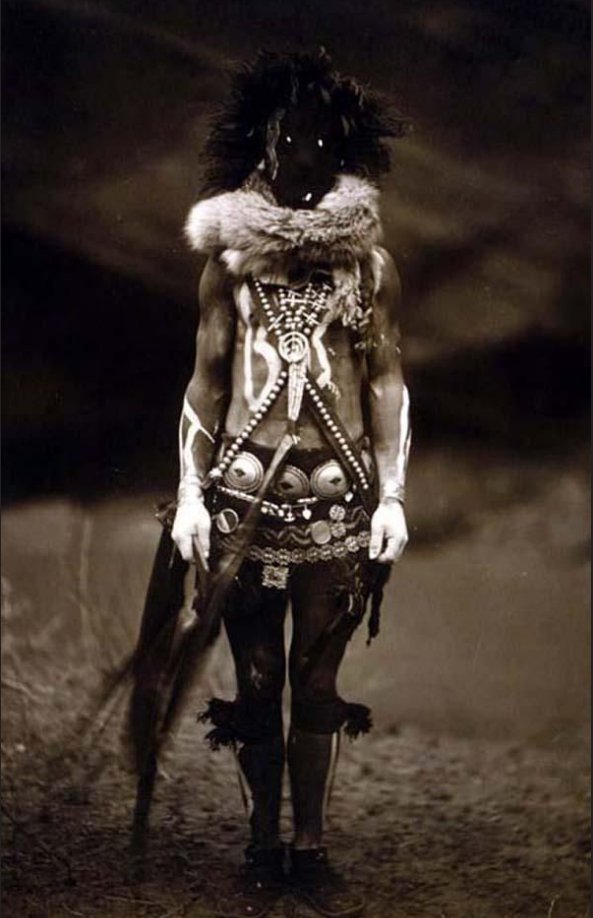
[327, 481]
[305, 531]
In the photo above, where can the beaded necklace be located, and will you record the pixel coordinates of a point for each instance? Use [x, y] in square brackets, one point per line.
[299, 313]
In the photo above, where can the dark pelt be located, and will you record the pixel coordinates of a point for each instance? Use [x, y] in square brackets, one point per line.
[360, 119]
[357, 720]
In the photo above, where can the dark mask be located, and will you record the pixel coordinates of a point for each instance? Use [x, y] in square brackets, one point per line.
[306, 155]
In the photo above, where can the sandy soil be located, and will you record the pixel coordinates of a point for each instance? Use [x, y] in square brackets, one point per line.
[482, 813]
[426, 826]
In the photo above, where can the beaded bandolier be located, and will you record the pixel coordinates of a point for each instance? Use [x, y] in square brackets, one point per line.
[331, 499]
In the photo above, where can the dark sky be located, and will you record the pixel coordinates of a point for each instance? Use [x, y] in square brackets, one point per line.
[486, 212]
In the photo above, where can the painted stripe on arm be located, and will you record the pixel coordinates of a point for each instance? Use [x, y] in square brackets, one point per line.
[405, 436]
[189, 428]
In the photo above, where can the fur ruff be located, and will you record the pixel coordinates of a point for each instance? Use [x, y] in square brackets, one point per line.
[254, 235]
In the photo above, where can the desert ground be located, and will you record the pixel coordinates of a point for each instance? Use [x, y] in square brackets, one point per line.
[470, 797]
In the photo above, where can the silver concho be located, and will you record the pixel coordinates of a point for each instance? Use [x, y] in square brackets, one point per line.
[338, 530]
[320, 532]
[275, 576]
[329, 480]
[245, 473]
[293, 346]
[292, 483]
[227, 520]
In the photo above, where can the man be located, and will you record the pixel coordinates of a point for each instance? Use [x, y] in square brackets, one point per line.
[294, 435]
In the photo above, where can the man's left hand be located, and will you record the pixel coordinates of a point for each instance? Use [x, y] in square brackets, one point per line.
[389, 533]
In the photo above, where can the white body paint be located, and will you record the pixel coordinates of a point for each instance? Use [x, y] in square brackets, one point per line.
[405, 437]
[244, 306]
[193, 425]
[325, 377]
[248, 368]
[269, 353]
[256, 343]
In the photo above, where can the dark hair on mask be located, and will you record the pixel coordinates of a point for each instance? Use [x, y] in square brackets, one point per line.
[273, 82]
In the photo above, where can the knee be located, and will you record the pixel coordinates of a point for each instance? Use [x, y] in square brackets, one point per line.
[263, 675]
[255, 716]
[260, 667]
[317, 708]
[312, 682]
[315, 704]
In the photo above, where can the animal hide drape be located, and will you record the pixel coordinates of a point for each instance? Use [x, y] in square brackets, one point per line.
[252, 234]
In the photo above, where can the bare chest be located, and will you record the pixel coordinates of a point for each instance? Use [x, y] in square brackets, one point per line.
[281, 326]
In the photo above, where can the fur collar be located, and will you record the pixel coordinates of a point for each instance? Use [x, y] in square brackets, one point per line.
[254, 235]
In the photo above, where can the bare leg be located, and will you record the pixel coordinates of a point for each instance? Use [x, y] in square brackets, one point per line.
[309, 757]
[255, 627]
[254, 622]
[316, 601]
[322, 596]
[263, 767]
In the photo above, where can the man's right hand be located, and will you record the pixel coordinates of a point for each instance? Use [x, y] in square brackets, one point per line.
[192, 526]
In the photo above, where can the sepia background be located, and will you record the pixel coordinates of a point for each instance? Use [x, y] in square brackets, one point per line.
[485, 632]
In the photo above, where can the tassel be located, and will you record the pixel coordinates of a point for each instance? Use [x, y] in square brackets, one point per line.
[357, 720]
[222, 715]
[381, 577]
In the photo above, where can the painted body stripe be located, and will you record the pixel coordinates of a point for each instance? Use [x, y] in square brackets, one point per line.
[405, 436]
[248, 369]
[189, 428]
[244, 305]
[259, 344]
[325, 376]
[269, 353]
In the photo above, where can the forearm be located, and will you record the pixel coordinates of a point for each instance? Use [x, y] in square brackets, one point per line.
[388, 399]
[202, 415]
[389, 405]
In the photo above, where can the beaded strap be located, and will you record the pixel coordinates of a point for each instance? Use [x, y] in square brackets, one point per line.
[297, 314]
[301, 321]
[342, 443]
[258, 415]
[339, 435]
[301, 312]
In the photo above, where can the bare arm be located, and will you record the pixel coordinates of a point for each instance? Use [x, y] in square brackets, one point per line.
[389, 417]
[204, 406]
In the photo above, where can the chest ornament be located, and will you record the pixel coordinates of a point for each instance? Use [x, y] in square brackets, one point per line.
[292, 316]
